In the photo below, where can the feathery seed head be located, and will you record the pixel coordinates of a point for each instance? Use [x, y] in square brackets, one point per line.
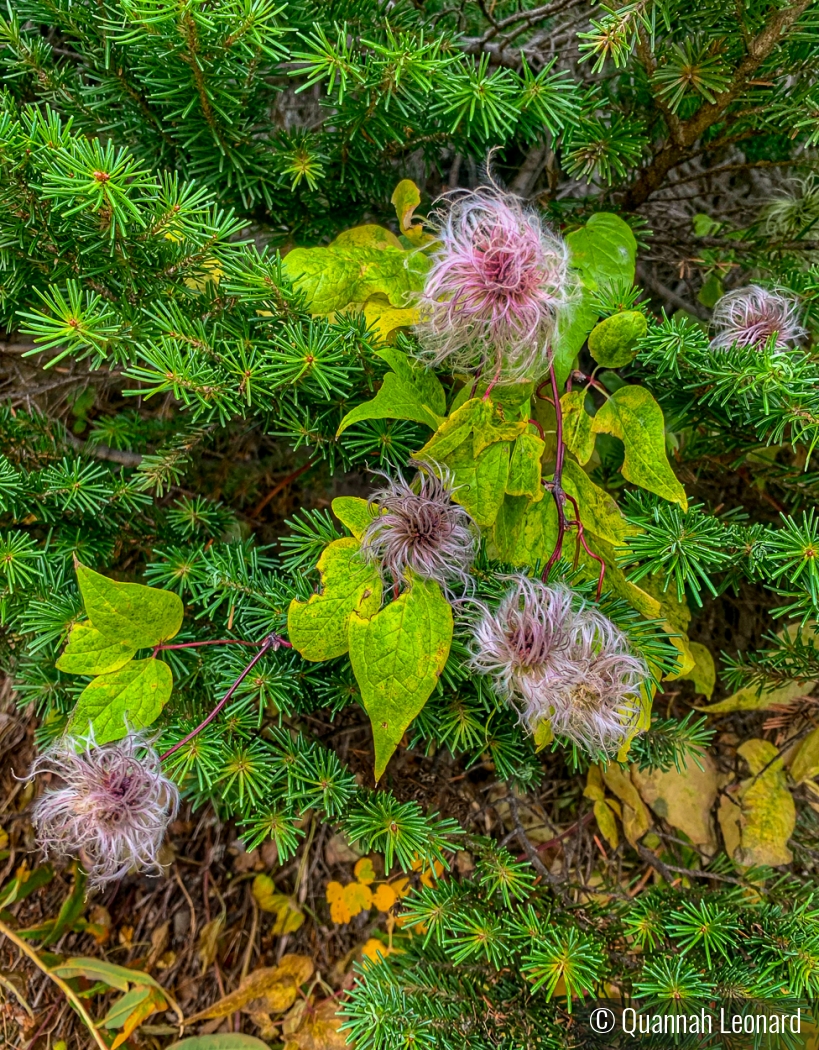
[553, 661]
[420, 528]
[114, 805]
[750, 316]
[492, 294]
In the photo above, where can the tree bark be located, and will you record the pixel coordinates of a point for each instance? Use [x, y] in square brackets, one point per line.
[670, 154]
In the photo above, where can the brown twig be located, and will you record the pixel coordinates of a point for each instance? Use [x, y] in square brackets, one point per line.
[690, 131]
[277, 488]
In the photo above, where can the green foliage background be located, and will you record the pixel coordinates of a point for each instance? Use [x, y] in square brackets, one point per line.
[162, 167]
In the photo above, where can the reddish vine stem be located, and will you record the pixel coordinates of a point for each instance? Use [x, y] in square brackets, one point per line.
[272, 641]
[560, 496]
[194, 645]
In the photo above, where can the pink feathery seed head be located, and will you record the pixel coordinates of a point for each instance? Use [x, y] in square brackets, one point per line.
[601, 707]
[418, 527]
[555, 658]
[750, 316]
[528, 634]
[494, 289]
[113, 807]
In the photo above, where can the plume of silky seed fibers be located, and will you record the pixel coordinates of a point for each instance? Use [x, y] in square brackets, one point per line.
[419, 528]
[496, 284]
[554, 660]
[750, 316]
[113, 806]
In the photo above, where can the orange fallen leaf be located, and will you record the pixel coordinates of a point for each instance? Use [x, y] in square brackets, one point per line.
[384, 897]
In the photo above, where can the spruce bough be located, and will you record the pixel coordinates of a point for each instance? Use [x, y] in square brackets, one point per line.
[216, 223]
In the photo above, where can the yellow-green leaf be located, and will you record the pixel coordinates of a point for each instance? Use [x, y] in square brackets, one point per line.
[685, 800]
[410, 391]
[91, 652]
[396, 399]
[289, 916]
[758, 819]
[607, 823]
[366, 236]
[632, 415]
[704, 672]
[577, 425]
[479, 482]
[525, 532]
[525, 478]
[613, 342]
[119, 977]
[636, 820]
[383, 319]
[405, 199]
[318, 628]
[542, 734]
[604, 250]
[752, 699]
[495, 428]
[598, 510]
[339, 275]
[127, 699]
[355, 513]
[397, 656]
[601, 252]
[454, 430]
[139, 616]
[805, 763]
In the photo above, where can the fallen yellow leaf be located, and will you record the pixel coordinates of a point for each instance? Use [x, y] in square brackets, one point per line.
[266, 989]
[364, 871]
[606, 822]
[357, 897]
[636, 820]
[684, 799]
[759, 816]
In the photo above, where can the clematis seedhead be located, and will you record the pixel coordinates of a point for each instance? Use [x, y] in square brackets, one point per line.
[555, 658]
[751, 316]
[112, 807]
[419, 528]
[492, 296]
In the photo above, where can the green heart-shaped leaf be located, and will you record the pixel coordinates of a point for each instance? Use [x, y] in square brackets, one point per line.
[318, 628]
[397, 656]
[89, 651]
[114, 704]
[129, 612]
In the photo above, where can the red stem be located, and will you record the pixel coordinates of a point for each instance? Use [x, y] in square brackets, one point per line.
[272, 641]
[560, 496]
[193, 645]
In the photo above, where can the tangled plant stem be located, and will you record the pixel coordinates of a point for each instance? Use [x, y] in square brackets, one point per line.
[560, 496]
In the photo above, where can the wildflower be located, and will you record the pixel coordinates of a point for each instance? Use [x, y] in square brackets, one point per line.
[419, 528]
[113, 807]
[751, 316]
[552, 661]
[492, 295]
